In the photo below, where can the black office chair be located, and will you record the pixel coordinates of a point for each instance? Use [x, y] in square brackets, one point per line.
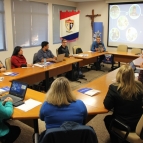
[69, 132]
[34, 58]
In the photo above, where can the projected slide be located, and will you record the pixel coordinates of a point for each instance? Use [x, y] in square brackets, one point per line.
[126, 25]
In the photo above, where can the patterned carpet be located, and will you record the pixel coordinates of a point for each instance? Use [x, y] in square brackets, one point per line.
[97, 122]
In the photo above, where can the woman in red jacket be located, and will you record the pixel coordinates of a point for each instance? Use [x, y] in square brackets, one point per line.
[17, 59]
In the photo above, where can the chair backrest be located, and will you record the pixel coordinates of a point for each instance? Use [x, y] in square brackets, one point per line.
[139, 128]
[70, 132]
[8, 63]
[74, 48]
[34, 58]
[136, 51]
[122, 48]
[57, 52]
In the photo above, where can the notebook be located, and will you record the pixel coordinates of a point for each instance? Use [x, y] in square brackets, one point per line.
[60, 58]
[17, 91]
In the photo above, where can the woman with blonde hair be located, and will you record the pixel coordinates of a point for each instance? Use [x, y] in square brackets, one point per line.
[125, 97]
[61, 105]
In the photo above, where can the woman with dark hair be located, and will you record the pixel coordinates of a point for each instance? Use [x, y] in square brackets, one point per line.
[17, 59]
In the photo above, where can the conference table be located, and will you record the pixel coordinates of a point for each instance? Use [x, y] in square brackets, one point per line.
[91, 57]
[36, 74]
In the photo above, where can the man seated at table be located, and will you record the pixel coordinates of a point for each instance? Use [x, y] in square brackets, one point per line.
[63, 49]
[98, 46]
[2, 67]
[45, 53]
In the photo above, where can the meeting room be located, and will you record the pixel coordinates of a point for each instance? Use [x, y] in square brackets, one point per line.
[71, 71]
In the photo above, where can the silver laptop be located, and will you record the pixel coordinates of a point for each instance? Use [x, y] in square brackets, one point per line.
[60, 58]
[17, 91]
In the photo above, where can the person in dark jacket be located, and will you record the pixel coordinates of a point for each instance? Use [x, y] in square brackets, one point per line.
[17, 59]
[64, 48]
[125, 97]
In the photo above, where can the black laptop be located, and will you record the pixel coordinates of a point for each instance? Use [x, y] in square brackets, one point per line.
[17, 91]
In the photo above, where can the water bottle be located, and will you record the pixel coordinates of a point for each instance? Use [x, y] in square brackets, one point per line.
[44, 62]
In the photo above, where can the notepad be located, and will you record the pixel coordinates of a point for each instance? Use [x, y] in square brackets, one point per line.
[88, 91]
[11, 73]
[4, 89]
[28, 105]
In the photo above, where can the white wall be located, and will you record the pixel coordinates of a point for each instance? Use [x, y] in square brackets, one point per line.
[28, 52]
[85, 38]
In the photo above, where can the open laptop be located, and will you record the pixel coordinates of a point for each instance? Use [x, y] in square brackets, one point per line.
[100, 48]
[60, 58]
[136, 69]
[17, 91]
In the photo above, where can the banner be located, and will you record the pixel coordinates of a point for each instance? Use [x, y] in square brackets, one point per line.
[97, 30]
[69, 25]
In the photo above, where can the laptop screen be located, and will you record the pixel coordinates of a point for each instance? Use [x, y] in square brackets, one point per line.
[132, 66]
[18, 89]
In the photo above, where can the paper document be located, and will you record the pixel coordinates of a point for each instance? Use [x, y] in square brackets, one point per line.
[4, 89]
[88, 91]
[11, 73]
[28, 105]
[42, 64]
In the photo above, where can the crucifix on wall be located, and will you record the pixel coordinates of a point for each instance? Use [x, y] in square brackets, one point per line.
[92, 18]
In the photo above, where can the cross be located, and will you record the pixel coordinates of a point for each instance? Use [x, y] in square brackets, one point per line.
[92, 18]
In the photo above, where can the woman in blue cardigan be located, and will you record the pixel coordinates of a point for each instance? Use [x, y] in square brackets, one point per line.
[61, 105]
[8, 133]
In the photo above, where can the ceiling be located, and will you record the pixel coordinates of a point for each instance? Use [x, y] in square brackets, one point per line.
[83, 0]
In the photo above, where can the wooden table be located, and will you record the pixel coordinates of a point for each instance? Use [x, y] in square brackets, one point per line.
[35, 74]
[90, 58]
[94, 104]
[125, 57]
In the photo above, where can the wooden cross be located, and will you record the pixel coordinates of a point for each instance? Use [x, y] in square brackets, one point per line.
[92, 18]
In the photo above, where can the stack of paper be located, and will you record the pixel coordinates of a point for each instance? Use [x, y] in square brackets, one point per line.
[4, 89]
[11, 73]
[28, 105]
[89, 91]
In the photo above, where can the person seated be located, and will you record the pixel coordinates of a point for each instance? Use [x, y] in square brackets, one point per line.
[140, 77]
[8, 133]
[61, 105]
[125, 97]
[17, 59]
[96, 47]
[2, 67]
[63, 49]
[45, 53]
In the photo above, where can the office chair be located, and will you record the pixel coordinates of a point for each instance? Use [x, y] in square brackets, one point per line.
[34, 58]
[8, 63]
[69, 132]
[136, 51]
[132, 137]
[120, 48]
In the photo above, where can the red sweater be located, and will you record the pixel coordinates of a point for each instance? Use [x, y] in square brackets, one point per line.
[18, 61]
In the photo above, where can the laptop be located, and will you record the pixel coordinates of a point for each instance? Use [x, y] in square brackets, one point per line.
[100, 48]
[135, 69]
[60, 58]
[17, 91]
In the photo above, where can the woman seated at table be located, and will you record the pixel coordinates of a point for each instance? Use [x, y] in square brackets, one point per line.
[8, 133]
[2, 67]
[17, 59]
[125, 97]
[61, 105]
